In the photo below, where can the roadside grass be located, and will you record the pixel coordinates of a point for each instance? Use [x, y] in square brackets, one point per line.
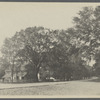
[81, 87]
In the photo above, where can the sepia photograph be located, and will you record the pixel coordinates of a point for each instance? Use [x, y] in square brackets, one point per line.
[49, 49]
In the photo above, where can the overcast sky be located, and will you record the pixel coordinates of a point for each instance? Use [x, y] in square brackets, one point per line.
[17, 16]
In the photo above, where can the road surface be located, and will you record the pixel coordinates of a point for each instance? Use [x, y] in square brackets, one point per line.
[80, 87]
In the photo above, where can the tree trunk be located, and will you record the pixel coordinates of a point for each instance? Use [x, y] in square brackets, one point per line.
[36, 75]
[12, 72]
[12, 75]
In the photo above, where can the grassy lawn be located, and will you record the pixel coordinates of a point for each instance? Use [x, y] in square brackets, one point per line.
[85, 87]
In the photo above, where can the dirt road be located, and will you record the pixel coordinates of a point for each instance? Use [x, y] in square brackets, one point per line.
[82, 87]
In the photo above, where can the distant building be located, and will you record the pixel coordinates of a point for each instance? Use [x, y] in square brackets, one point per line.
[18, 76]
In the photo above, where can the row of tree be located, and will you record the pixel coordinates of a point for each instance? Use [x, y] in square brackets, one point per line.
[66, 52]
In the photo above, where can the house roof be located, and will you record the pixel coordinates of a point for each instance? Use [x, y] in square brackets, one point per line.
[22, 74]
[8, 75]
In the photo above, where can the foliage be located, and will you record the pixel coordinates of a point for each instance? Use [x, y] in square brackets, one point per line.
[64, 52]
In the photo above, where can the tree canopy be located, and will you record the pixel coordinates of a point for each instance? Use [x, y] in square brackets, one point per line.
[66, 52]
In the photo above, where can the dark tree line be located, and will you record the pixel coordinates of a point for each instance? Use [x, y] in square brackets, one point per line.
[65, 53]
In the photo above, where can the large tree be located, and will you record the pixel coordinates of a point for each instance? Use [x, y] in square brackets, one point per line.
[61, 50]
[36, 44]
[9, 55]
